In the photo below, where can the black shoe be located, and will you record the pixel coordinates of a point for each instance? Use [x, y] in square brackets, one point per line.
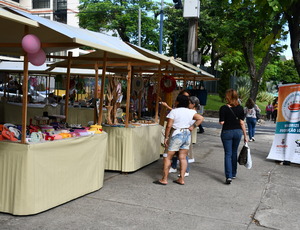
[228, 181]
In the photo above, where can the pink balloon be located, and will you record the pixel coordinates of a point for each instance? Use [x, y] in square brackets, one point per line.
[38, 58]
[31, 43]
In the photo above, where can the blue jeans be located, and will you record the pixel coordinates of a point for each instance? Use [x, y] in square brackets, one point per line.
[231, 140]
[251, 123]
[174, 163]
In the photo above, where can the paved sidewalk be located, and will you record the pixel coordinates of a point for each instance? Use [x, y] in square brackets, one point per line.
[264, 197]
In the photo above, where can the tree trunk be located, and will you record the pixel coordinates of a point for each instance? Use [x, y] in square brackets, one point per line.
[255, 72]
[294, 27]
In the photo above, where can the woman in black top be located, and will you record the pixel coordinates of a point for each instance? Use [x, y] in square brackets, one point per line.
[231, 117]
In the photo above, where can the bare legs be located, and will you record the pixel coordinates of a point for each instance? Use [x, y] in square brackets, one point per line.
[183, 164]
[167, 165]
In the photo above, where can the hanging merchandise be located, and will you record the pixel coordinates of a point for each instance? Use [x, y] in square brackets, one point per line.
[41, 86]
[138, 84]
[168, 84]
[80, 86]
[33, 81]
[72, 83]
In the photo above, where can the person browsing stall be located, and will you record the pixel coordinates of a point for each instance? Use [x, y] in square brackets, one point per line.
[180, 120]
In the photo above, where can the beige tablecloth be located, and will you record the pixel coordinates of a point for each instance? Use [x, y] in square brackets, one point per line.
[37, 177]
[130, 149]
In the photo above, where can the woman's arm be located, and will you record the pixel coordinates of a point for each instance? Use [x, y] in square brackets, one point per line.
[198, 121]
[165, 105]
[242, 123]
[168, 130]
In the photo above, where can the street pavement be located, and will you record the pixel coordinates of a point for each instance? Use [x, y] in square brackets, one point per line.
[264, 197]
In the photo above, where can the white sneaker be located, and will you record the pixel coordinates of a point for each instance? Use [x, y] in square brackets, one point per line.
[172, 170]
[191, 160]
[253, 139]
[185, 175]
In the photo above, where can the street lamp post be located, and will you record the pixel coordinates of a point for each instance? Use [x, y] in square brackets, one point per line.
[161, 26]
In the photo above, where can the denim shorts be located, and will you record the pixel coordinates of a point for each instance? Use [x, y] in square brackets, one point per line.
[181, 140]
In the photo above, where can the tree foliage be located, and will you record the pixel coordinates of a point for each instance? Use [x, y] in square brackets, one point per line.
[291, 12]
[122, 17]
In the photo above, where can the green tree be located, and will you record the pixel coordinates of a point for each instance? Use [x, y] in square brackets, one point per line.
[289, 9]
[122, 16]
[256, 33]
[175, 32]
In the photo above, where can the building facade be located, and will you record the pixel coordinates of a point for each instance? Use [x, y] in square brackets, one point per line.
[64, 11]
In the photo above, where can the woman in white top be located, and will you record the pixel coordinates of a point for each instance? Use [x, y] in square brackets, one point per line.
[251, 118]
[180, 119]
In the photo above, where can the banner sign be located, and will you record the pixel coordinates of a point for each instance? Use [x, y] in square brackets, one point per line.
[286, 143]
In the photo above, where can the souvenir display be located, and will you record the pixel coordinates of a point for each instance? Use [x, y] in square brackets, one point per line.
[42, 133]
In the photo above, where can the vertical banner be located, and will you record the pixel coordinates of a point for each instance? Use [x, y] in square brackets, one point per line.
[286, 143]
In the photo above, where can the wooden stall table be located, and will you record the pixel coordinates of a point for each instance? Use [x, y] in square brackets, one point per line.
[130, 149]
[40, 176]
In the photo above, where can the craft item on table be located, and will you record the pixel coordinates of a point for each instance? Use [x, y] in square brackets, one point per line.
[49, 138]
[46, 128]
[81, 132]
[96, 128]
[17, 133]
[8, 135]
[33, 128]
[36, 137]
[73, 126]
[57, 137]
[65, 135]
[7, 125]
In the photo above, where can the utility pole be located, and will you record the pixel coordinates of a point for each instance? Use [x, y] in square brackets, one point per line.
[191, 10]
[161, 26]
[140, 26]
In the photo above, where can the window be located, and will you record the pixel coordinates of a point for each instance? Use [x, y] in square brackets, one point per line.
[39, 4]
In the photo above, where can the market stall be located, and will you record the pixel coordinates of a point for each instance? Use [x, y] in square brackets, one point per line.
[37, 177]
[40, 167]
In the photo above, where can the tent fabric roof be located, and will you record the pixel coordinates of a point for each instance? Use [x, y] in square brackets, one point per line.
[200, 71]
[83, 37]
[13, 18]
[164, 60]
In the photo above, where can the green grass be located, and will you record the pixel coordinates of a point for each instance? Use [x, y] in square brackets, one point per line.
[214, 103]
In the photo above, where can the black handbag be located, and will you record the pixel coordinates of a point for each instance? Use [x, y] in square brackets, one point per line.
[242, 159]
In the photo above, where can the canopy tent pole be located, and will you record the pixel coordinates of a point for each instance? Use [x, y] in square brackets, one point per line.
[129, 69]
[96, 93]
[158, 93]
[102, 88]
[25, 99]
[68, 84]
[25, 92]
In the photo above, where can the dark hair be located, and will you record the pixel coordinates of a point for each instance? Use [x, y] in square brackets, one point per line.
[195, 101]
[182, 101]
[184, 91]
[231, 96]
[250, 103]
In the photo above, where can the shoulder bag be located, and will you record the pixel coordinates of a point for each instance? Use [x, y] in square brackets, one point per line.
[233, 112]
